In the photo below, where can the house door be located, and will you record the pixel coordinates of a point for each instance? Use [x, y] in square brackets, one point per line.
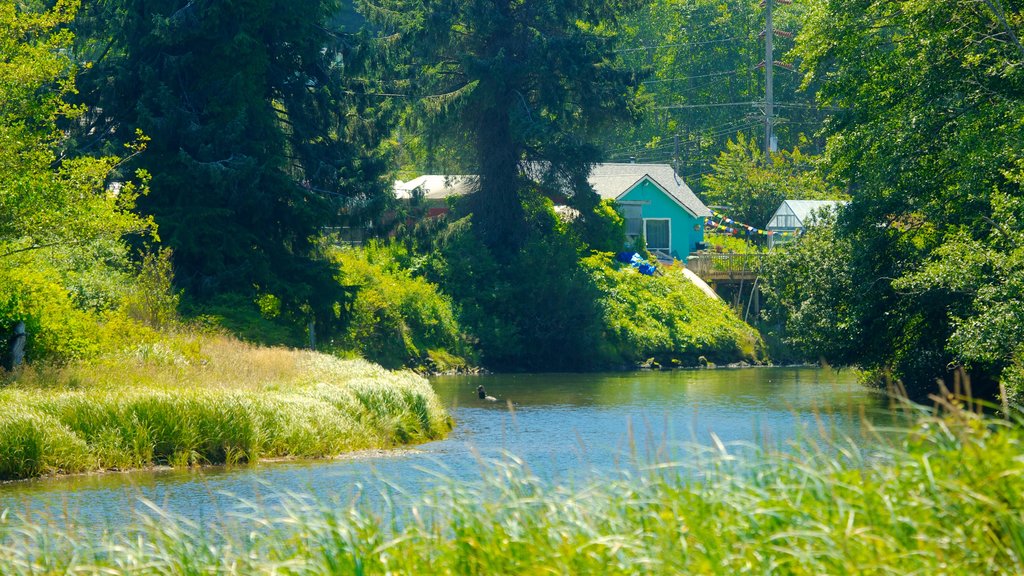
[658, 235]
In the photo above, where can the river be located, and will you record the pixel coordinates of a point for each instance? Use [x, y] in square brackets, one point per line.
[564, 427]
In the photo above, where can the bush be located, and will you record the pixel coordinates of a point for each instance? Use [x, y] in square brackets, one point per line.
[58, 330]
[604, 230]
[396, 319]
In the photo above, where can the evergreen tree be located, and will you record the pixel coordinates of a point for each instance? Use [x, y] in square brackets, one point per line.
[262, 133]
[516, 88]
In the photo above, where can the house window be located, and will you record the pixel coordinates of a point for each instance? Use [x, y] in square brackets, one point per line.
[658, 234]
[633, 213]
[785, 221]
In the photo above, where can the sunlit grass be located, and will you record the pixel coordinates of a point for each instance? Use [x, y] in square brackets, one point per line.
[209, 401]
[941, 497]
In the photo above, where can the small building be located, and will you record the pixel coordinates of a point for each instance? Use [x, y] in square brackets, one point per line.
[655, 202]
[793, 215]
[433, 190]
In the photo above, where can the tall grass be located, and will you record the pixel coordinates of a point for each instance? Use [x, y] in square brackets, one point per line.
[943, 497]
[229, 403]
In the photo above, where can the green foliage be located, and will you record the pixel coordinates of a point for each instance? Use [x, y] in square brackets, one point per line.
[538, 310]
[58, 331]
[152, 299]
[811, 294]
[396, 319]
[703, 81]
[516, 88]
[605, 230]
[727, 243]
[941, 497]
[750, 191]
[667, 318]
[928, 139]
[46, 199]
[263, 132]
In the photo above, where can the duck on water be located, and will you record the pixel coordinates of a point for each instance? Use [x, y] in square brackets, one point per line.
[482, 394]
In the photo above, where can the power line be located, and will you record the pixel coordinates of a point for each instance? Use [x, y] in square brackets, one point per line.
[703, 43]
[719, 105]
[680, 78]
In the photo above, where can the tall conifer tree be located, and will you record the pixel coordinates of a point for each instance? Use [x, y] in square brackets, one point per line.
[522, 84]
[260, 134]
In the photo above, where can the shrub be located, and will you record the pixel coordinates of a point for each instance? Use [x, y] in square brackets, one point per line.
[396, 319]
[58, 330]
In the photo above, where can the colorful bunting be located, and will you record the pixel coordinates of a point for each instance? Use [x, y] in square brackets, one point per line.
[731, 226]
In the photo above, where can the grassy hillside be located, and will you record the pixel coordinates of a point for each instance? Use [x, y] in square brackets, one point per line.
[666, 317]
[207, 400]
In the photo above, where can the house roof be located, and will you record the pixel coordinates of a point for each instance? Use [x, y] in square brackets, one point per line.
[804, 209]
[435, 186]
[610, 181]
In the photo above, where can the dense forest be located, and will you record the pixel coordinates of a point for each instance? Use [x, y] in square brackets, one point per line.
[196, 157]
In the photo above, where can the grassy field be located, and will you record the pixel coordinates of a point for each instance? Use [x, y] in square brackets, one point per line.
[207, 400]
[943, 497]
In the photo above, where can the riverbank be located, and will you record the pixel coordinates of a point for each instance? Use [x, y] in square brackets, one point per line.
[826, 508]
[207, 400]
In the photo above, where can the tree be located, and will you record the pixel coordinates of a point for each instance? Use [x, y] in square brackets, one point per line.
[752, 188]
[517, 87]
[47, 199]
[928, 139]
[263, 132]
[707, 80]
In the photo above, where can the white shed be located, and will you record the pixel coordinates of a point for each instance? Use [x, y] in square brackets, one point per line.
[793, 215]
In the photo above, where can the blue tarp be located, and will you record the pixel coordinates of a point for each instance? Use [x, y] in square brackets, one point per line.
[637, 261]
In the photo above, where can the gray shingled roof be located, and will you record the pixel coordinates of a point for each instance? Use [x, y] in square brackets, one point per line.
[613, 180]
[610, 181]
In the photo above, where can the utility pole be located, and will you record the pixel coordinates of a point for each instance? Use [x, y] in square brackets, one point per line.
[769, 81]
[675, 154]
[770, 142]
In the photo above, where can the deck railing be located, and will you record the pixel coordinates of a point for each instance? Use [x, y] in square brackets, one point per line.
[725, 265]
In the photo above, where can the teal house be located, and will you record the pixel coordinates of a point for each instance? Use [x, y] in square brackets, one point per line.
[656, 204]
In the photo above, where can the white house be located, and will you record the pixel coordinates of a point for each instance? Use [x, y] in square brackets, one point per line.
[793, 215]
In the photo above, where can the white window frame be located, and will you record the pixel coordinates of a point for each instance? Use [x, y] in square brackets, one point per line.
[667, 249]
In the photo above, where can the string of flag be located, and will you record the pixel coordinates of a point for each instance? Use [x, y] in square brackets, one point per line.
[730, 226]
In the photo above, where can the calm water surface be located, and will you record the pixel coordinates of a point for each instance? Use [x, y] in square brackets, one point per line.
[565, 427]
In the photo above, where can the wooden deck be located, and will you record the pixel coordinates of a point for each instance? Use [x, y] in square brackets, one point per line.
[713, 267]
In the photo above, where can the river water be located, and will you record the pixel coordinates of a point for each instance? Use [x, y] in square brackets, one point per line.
[563, 427]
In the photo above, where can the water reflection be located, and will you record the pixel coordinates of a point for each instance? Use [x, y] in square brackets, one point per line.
[564, 427]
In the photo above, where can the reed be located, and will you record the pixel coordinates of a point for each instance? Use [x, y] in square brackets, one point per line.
[941, 497]
[230, 403]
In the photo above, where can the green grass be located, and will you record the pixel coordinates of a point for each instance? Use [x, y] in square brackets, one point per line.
[666, 317]
[229, 403]
[945, 496]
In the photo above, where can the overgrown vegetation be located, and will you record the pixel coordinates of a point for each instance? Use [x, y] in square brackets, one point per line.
[196, 400]
[942, 496]
[920, 273]
[397, 319]
[667, 318]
